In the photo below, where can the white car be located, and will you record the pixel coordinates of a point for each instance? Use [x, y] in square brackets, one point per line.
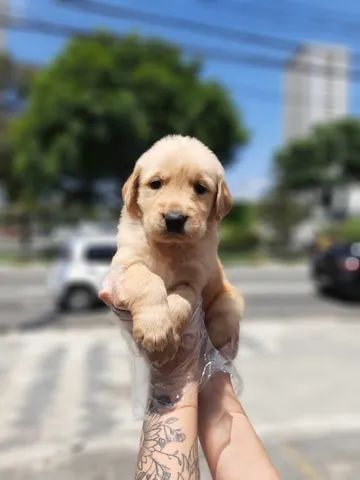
[79, 271]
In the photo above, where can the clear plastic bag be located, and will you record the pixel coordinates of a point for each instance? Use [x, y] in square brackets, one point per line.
[197, 359]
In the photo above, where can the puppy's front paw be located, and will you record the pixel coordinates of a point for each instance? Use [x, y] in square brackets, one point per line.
[155, 332]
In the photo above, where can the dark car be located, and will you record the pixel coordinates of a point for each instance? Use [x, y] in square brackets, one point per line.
[337, 269]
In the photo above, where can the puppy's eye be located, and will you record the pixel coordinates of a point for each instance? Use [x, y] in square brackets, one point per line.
[155, 184]
[200, 189]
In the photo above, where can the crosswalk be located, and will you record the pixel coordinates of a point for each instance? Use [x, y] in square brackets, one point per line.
[61, 387]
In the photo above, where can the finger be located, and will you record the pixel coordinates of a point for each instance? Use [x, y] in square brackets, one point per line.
[106, 297]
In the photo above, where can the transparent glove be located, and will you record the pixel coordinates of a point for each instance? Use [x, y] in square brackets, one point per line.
[197, 360]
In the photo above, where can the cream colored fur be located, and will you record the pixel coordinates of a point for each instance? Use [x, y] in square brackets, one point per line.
[166, 275]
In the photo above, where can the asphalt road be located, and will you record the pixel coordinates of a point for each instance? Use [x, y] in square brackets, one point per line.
[271, 293]
[65, 383]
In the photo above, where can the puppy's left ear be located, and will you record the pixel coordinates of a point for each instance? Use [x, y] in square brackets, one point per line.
[223, 201]
[130, 193]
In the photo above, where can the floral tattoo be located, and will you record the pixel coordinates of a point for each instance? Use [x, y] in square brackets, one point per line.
[158, 457]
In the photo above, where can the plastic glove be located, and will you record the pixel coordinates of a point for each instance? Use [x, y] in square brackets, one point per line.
[196, 359]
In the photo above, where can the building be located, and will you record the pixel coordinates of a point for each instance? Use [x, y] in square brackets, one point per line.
[316, 88]
[346, 201]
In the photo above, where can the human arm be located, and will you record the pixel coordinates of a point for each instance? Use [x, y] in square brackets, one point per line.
[230, 444]
[169, 444]
[169, 438]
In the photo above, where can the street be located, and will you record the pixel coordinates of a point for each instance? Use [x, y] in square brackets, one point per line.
[65, 381]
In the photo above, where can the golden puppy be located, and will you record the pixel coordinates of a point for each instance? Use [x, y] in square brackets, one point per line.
[167, 244]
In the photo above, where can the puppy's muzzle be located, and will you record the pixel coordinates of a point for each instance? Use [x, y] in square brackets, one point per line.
[175, 222]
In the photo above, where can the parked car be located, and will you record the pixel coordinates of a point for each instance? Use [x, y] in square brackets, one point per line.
[79, 270]
[337, 269]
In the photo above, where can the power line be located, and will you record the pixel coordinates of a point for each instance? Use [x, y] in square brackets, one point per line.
[314, 14]
[40, 26]
[182, 23]
[286, 45]
[220, 55]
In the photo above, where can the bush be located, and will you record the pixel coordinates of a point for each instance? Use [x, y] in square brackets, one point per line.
[346, 231]
[239, 229]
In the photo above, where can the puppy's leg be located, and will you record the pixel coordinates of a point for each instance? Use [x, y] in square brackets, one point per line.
[223, 317]
[144, 294]
[182, 300]
[224, 307]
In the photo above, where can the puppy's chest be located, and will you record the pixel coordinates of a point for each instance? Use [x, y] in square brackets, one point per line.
[177, 268]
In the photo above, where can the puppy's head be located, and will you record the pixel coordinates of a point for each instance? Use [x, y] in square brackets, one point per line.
[177, 188]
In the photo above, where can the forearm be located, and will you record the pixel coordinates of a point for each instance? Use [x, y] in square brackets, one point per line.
[169, 440]
[230, 444]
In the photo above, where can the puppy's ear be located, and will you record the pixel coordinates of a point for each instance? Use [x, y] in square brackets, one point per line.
[130, 193]
[223, 201]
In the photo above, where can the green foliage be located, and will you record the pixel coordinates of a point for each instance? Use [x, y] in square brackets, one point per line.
[346, 231]
[104, 100]
[282, 213]
[329, 155]
[239, 230]
[15, 78]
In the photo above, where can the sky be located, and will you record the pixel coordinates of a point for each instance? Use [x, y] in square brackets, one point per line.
[256, 92]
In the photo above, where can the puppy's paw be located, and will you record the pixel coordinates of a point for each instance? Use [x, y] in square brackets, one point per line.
[224, 332]
[161, 358]
[155, 332]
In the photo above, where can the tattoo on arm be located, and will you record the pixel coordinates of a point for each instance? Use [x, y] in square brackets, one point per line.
[159, 456]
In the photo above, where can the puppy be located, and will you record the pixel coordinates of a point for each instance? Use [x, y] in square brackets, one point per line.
[167, 244]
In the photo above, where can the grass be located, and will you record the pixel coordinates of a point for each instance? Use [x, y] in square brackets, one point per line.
[256, 257]
[230, 257]
[18, 260]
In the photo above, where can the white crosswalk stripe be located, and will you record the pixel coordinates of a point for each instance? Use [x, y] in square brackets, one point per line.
[63, 387]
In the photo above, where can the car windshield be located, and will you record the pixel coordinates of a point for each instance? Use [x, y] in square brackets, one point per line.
[100, 253]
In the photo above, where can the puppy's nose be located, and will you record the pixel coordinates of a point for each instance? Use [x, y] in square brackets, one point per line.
[175, 222]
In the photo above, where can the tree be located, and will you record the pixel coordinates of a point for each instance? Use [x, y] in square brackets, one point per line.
[239, 230]
[345, 231]
[282, 213]
[329, 155]
[105, 100]
[15, 79]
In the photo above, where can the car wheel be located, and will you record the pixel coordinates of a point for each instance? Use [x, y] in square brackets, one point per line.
[78, 299]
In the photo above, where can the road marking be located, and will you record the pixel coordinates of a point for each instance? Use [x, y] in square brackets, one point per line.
[60, 427]
[127, 437]
[23, 292]
[67, 416]
[127, 440]
[311, 427]
[274, 288]
[12, 397]
[302, 463]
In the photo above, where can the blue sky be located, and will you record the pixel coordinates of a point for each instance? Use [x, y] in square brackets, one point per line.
[257, 92]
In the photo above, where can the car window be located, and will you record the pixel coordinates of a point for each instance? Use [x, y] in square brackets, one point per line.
[64, 253]
[100, 253]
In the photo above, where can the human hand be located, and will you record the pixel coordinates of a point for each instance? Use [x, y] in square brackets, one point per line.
[196, 360]
[143, 293]
[185, 366]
